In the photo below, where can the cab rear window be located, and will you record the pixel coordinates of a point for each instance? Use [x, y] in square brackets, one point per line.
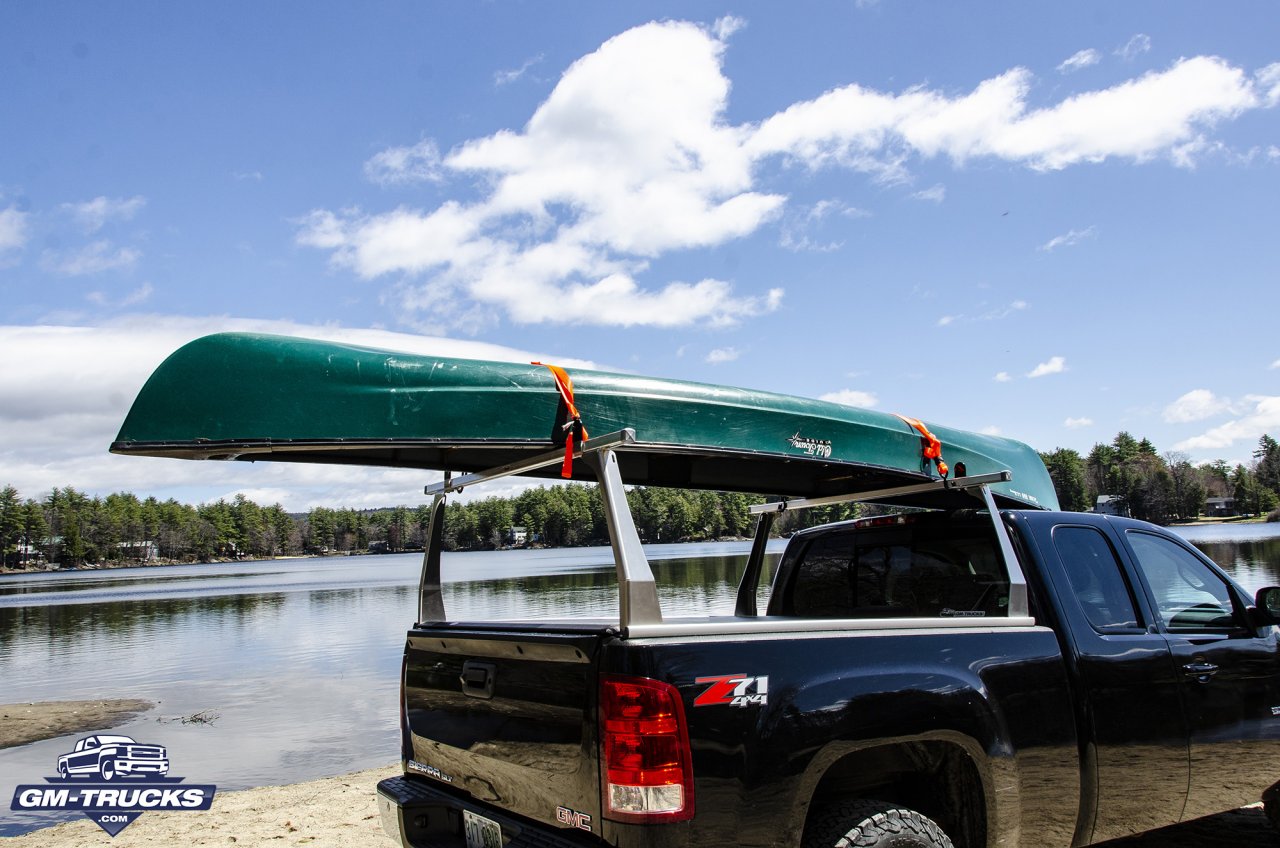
[929, 569]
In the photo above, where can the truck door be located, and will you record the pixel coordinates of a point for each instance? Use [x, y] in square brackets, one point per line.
[1230, 674]
[1134, 737]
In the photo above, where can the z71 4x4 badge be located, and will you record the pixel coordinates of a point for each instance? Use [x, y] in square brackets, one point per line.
[735, 690]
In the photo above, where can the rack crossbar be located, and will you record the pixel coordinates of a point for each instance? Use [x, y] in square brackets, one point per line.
[620, 438]
[915, 489]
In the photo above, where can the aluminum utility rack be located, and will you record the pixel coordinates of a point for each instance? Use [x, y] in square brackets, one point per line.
[977, 486]
[638, 594]
[640, 613]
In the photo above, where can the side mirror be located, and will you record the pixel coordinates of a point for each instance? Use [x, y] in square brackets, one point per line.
[1267, 605]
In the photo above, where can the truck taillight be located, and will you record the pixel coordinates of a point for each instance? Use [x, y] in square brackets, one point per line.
[645, 762]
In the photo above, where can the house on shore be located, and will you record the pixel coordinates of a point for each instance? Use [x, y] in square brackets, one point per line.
[1219, 508]
[1111, 505]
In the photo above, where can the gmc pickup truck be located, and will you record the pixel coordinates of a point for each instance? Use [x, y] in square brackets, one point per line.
[962, 675]
[109, 757]
[985, 671]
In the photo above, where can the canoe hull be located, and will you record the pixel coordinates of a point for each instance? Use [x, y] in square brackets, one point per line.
[255, 397]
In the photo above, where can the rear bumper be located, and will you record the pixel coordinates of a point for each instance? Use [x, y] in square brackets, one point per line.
[417, 815]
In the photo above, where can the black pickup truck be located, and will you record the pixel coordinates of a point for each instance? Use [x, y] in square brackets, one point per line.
[967, 675]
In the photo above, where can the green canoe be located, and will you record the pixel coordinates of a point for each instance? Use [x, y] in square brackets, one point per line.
[257, 397]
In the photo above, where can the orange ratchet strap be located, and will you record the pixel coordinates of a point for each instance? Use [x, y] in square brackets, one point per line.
[573, 426]
[930, 446]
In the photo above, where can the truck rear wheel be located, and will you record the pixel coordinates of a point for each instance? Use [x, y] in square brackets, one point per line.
[873, 824]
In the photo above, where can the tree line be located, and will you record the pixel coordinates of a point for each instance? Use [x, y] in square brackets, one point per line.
[71, 528]
[1164, 487]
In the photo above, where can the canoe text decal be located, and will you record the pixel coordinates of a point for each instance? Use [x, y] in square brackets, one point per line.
[811, 447]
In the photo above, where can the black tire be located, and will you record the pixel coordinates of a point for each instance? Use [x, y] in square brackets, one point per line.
[107, 768]
[873, 824]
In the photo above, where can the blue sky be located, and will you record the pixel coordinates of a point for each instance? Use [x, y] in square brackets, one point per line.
[1053, 223]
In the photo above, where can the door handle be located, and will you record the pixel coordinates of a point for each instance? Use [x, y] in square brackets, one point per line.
[1200, 670]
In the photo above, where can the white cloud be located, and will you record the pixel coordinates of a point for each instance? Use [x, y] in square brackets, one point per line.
[723, 354]
[796, 227]
[1077, 423]
[94, 258]
[139, 295]
[93, 215]
[1269, 80]
[247, 176]
[851, 397]
[1195, 405]
[1274, 365]
[995, 314]
[631, 157]
[613, 168]
[64, 406]
[990, 430]
[725, 27]
[1055, 365]
[405, 165]
[1069, 239]
[501, 78]
[1139, 119]
[936, 194]
[1080, 59]
[13, 229]
[1263, 418]
[1002, 377]
[1134, 47]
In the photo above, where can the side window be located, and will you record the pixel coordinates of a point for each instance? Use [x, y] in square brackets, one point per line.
[1189, 594]
[1096, 578]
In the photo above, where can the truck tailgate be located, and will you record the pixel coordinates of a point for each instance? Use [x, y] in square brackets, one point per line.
[505, 714]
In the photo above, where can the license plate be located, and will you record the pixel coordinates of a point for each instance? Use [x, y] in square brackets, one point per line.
[480, 831]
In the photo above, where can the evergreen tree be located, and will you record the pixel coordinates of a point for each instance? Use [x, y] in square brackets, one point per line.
[1067, 470]
[11, 515]
[1268, 463]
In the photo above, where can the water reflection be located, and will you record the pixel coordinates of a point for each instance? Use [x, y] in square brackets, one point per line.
[1250, 553]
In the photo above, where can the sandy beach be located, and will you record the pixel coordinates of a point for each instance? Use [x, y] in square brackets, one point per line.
[31, 722]
[336, 812]
[340, 812]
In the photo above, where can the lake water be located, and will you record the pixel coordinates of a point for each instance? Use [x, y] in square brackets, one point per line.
[300, 659]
